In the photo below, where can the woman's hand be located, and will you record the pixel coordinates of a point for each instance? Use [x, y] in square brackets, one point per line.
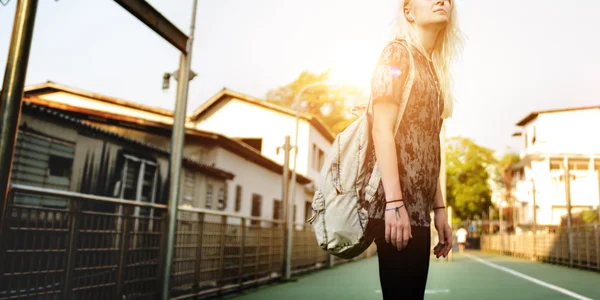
[444, 232]
[397, 225]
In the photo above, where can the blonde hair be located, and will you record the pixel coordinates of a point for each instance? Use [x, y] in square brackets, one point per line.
[446, 50]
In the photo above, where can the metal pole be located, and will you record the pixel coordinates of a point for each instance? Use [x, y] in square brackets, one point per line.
[568, 198]
[12, 92]
[501, 226]
[449, 257]
[533, 191]
[285, 200]
[491, 225]
[177, 143]
[598, 177]
[290, 227]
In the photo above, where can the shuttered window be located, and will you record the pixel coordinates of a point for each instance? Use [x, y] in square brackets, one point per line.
[42, 161]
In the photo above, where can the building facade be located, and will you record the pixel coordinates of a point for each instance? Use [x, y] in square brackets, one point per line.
[220, 173]
[553, 140]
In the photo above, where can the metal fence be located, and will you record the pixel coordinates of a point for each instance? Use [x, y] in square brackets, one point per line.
[552, 247]
[106, 248]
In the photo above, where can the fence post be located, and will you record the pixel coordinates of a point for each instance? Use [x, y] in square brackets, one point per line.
[198, 272]
[568, 198]
[72, 250]
[587, 247]
[257, 253]
[222, 252]
[242, 254]
[124, 244]
[597, 246]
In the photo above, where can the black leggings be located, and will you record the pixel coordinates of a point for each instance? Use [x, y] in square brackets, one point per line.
[403, 274]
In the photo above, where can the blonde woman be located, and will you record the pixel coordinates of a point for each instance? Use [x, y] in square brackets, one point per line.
[409, 161]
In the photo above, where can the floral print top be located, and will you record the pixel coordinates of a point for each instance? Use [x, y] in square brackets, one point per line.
[418, 137]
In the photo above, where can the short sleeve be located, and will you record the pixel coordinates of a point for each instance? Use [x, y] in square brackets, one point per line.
[391, 71]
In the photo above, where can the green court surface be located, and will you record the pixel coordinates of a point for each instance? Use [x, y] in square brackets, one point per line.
[471, 276]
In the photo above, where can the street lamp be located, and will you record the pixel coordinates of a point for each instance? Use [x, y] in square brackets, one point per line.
[292, 199]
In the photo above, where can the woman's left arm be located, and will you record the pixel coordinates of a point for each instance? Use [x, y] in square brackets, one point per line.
[441, 225]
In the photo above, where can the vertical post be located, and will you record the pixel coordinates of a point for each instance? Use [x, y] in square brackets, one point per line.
[287, 207]
[491, 227]
[597, 172]
[597, 238]
[501, 227]
[223, 240]
[257, 251]
[242, 254]
[72, 250]
[449, 257]
[533, 192]
[177, 143]
[197, 275]
[12, 92]
[331, 260]
[124, 244]
[568, 198]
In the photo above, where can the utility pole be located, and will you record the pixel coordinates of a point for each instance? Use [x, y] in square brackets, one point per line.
[568, 198]
[287, 208]
[533, 191]
[177, 144]
[11, 95]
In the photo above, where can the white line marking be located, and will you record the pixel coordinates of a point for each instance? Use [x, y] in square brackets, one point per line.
[437, 291]
[526, 277]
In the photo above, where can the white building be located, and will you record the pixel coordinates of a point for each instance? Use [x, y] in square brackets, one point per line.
[256, 186]
[264, 125]
[552, 139]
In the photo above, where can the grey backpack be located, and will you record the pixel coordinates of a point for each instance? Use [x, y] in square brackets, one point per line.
[338, 219]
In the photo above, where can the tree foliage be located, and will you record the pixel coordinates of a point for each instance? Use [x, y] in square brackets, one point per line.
[468, 172]
[332, 104]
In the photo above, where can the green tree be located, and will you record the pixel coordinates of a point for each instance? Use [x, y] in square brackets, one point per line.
[469, 168]
[332, 104]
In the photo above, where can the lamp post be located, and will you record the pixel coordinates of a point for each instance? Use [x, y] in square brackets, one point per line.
[292, 199]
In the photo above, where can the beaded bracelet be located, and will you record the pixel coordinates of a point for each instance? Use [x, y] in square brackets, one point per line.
[394, 208]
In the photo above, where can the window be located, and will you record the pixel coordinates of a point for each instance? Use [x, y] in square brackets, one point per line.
[139, 177]
[238, 198]
[555, 166]
[221, 199]
[321, 160]
[209, 195]
[315, 155]
[256, 207]
[189, 180]
[60, 166]
[534, 136]
[42, 161]
[277, 210]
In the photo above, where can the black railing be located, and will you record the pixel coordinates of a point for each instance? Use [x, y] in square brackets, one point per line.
[79, 252]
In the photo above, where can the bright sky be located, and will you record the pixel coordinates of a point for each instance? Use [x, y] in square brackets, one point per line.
[520, 56]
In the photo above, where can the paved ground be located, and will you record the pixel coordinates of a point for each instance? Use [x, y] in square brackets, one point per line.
[470, 276]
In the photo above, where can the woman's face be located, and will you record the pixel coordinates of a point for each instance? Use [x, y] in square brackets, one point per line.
[429, 12]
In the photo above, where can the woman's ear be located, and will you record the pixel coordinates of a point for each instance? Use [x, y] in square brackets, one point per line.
[408, 15]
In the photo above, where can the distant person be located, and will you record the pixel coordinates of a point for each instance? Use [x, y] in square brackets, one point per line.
[461, 239]
[409, 160]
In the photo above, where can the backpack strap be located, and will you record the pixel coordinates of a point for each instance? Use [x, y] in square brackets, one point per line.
[375, 179]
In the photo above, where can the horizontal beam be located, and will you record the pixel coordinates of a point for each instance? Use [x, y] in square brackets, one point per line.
[156, 21]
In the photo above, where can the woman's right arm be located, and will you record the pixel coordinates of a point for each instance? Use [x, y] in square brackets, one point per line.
[386, 88]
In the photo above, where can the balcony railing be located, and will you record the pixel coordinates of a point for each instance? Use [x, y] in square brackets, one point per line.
[103, 248]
